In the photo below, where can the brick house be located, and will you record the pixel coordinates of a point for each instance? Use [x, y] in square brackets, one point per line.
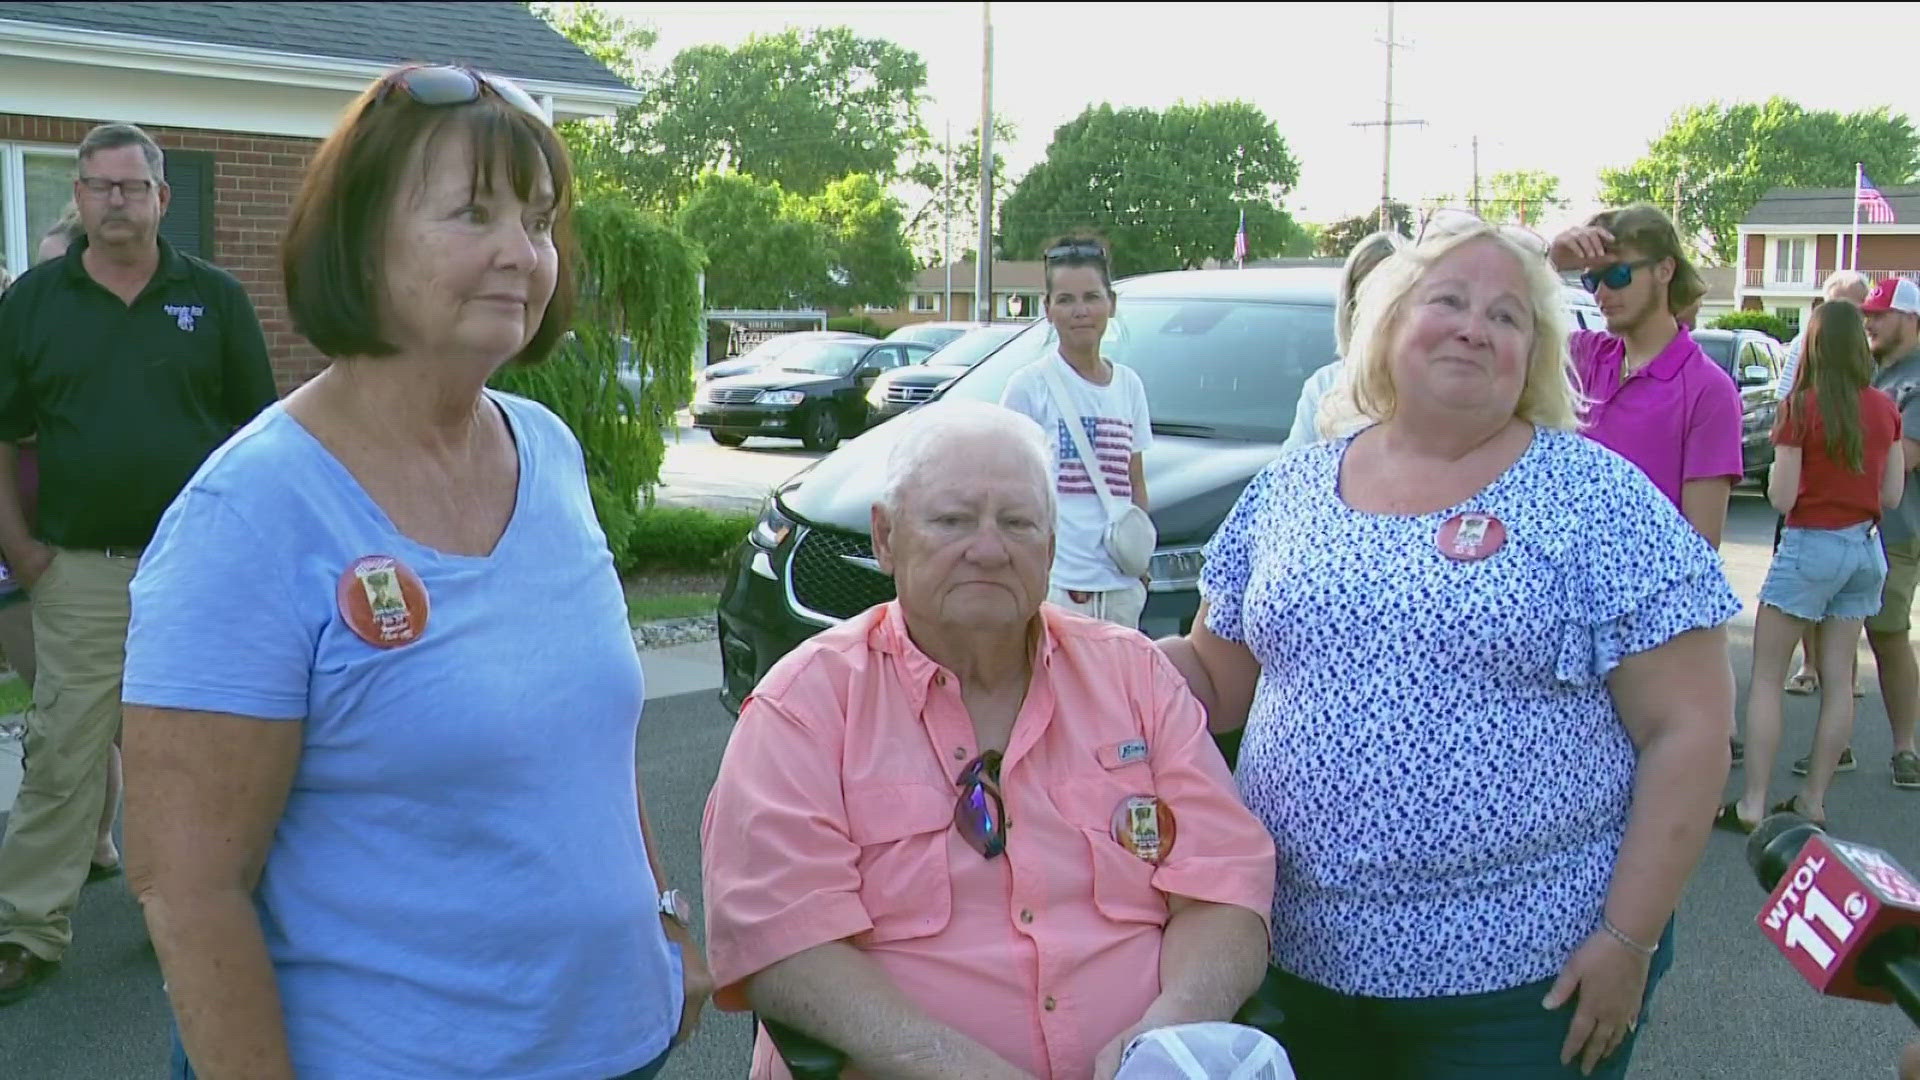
[1794, 237]
[239, 95]
[1017, 289]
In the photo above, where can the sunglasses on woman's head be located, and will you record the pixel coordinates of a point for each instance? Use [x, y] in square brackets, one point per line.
[979, 813]
[1453, 222]
[1618, 276]
[444, 84]
[1076, 251]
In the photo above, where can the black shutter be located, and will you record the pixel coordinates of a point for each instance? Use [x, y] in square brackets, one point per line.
[188, 225]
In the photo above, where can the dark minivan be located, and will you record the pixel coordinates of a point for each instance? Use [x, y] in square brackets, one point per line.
[1223, 355]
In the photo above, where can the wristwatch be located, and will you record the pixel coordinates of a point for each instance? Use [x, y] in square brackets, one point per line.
[674, 905]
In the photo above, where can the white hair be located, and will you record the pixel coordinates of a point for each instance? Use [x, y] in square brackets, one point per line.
[1841, 282]
[939, 435]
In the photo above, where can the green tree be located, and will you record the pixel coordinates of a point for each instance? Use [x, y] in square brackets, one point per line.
[608, 150]
[615, 42]
[1520, 195]
[801, 108]
[925, 226]
[1165, 188]
[869, 261]
[1337, 238]
[1720, 159]
[759, 254]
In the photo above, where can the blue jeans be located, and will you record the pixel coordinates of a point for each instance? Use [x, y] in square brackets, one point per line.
[1502, 1035]
[182, 1069]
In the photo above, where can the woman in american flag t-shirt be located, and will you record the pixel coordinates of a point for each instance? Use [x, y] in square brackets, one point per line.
[1109, 403]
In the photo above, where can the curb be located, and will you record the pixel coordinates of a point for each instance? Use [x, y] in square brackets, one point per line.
[666, 633]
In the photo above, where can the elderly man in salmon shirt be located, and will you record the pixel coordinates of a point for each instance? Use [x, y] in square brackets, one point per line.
[970, 834]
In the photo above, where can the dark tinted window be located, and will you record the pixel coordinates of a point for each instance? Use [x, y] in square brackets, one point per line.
[972, 347]
[823, 357]
[1718, 347]
[1230, 366]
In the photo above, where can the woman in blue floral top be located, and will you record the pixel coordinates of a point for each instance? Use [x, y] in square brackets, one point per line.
[1485, 691]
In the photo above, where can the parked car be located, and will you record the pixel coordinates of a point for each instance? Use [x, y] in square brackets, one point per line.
[933, 333]
[1584, 309]
[1753, 360]
[815, 392]
[903, 388]
[773, 349]
[1222, 354]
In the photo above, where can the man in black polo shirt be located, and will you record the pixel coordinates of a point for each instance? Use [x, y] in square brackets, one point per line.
[131, 362]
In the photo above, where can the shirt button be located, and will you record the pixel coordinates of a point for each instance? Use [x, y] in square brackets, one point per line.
[940, 679]
[1026, 915]
[959, 753]
[1047, 1004]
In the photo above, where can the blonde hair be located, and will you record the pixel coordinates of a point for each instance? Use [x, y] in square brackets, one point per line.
[1366, 394]
[1365, 257]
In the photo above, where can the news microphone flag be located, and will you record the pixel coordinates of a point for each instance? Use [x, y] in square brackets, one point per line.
[1240, 240]
[1879, 210]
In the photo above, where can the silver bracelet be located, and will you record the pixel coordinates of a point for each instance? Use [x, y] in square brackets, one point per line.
[1620, 936]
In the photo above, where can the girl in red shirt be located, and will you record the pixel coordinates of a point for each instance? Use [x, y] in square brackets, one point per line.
[1837, 465]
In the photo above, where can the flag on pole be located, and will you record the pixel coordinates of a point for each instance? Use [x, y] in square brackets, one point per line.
[1240, 240]
[1879, 210]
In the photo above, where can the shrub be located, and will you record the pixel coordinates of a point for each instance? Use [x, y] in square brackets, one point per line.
[1772, 325]
[639, 280]
[857, 324]
[683, 538]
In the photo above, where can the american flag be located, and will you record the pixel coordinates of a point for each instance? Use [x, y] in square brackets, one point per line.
[1879, 210]
[1112, 441]
[1240, 240]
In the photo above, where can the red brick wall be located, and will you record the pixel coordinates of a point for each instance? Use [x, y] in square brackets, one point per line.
[254, 181]
[1882, 252]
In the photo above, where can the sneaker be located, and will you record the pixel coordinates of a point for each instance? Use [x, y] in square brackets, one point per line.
[1739, 751]
[1906, 770]
[1847, 764]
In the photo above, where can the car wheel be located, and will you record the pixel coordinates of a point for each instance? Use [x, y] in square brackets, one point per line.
[822, 431]
[725, 439]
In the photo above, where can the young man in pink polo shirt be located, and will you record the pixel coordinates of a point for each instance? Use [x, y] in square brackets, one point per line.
[1658, 400]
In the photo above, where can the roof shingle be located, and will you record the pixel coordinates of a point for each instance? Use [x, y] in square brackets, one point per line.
[1828, 206]
[500, 37]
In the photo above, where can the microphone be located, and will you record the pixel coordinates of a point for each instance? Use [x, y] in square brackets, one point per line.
[1845, 915]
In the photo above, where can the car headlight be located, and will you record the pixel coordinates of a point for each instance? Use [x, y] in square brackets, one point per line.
[773, 527]
[1175, 569]
[782, 397]
[877, 396]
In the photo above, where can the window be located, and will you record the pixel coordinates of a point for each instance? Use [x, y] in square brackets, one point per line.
[1791, 315]
[1790, 262]
[36, 183]
[1017, 305]
[925, 303]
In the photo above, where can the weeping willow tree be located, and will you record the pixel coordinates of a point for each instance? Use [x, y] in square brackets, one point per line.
[639, 305]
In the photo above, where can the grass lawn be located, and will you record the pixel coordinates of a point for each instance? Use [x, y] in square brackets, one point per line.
[14, 696]
[656, 595]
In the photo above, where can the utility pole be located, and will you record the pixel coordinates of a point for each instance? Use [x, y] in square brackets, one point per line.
[1476, 177]
[946, 226]
[1386, 126]
[983, 258]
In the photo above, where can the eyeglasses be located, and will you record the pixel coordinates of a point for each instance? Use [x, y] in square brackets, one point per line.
[1080, 250]
[1448, 222]
[979, 813]
[449, 85]
[100, 187]
[1618, 276]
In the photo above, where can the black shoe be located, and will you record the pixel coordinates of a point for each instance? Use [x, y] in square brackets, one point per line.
[20, 972]
[1739, 750]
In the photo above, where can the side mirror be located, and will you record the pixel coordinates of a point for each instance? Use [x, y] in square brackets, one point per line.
[1755, 373]
[868, 372]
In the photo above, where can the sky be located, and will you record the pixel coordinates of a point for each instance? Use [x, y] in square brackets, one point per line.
[1565, 88]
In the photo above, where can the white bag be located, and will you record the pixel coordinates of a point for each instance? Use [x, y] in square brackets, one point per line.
[1214, 1051]
[1130, 536]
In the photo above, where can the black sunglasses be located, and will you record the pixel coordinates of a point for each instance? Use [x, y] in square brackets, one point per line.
[445, 84]
[979, 813]
[1076, 251]
[1617, 276]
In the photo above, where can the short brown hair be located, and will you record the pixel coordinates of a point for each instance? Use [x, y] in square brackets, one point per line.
[1649, 231]
[332, 258]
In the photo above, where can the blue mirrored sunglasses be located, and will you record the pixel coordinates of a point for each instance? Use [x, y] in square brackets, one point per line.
[1618, 276]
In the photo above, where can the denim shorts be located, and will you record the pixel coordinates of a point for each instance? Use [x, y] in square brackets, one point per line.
[1827, 573]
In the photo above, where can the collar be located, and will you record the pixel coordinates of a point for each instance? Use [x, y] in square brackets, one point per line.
[172, 266]
[918, 671]
[1667, 363]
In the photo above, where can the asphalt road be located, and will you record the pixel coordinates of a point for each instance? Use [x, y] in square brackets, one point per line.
[1731, 1009]
[700, 472]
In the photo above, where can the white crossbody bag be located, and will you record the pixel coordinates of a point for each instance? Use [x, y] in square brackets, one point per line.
[1130, 536]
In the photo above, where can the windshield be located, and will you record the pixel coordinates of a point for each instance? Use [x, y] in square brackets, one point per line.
[972, 347]
[1232, 368]
[1718, 347]
[824, 357]
[932, 335]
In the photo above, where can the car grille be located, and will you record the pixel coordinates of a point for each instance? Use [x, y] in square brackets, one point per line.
[910, 395]
[823, 581]
[733, 397]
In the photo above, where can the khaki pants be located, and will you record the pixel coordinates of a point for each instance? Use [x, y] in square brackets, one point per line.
[80, 612]
[1121, 606]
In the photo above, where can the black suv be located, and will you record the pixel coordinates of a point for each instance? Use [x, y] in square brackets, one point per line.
[1753, 360]
[815, 392]
[1223, 354]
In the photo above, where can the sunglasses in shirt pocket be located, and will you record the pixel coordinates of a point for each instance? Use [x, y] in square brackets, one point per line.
[1122, 881]
[903, 833]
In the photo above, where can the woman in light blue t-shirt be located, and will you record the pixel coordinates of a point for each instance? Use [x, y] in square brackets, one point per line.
[382, 701]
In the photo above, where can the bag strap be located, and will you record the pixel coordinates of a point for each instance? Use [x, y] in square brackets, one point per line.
[1070, 415]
